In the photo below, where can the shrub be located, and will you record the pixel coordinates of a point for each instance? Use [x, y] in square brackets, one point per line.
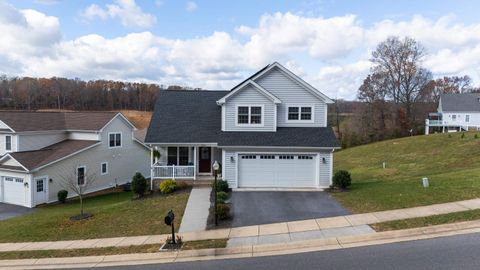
[223, 211]
[62, 196]
[183, 185]
[222, 195]
[463, 135]
[168, 186]
[139, 184]
[476, 136]
[222, 186]
[342, 179]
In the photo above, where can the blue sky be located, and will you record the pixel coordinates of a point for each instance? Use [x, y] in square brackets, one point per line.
[214, 44]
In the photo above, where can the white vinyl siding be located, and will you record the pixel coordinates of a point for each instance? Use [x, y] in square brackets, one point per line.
[38, 141]
[249, 96]
[290, 92]
[123, 162]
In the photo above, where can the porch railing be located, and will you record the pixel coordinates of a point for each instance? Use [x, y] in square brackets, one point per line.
[434, 122]
[173, 172]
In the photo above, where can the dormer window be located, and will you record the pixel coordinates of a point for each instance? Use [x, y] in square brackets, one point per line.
[249, 115]
[115, 140]
[300, 113]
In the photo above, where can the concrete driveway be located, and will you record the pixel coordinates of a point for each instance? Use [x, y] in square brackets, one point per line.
[9, 211]
[263, 207]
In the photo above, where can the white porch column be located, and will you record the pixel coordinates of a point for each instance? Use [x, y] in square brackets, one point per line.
[427, 127]
[194, 163]
[151, 168]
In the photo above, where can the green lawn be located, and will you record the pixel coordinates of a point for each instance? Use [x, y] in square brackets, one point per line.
[451, 163]
[427, 221]
[115, 214]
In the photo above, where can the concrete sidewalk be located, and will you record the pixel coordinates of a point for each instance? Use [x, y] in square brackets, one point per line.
[196, 211]
[257, 230]
[246, 251]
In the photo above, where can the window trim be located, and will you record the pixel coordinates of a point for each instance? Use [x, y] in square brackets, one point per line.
[101, 168]
[467, 118]
[11, 143]
[121, 139]
[262, 106]
[84, 175]
[300, 106]
[177, 155]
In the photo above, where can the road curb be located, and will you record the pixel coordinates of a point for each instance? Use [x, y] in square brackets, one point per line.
[248, 251]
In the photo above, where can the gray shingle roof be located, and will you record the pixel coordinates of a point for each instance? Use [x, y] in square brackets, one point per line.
[183, 116]
[285, 136]
[468, 102]
[194, 117]
[36, 158]
[41, 121]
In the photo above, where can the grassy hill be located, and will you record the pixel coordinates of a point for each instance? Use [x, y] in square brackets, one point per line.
[451, 163]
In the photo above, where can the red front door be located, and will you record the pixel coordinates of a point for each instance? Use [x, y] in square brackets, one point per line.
[204, 161]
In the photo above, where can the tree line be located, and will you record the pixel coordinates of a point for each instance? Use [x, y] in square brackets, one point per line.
[397, 94]
[26, 93]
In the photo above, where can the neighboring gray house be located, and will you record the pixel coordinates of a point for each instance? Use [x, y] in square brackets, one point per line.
[268, 131]
[39, 149]
[456, 112]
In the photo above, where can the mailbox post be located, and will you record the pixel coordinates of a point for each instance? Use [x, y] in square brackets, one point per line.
[169, 218]
[215, 166]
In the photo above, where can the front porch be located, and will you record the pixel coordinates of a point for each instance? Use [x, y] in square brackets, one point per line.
[184, 162]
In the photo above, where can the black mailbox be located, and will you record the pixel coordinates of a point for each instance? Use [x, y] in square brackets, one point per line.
[169, 218]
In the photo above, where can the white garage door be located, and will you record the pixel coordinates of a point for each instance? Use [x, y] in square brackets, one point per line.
[13, 190]
[279, 170]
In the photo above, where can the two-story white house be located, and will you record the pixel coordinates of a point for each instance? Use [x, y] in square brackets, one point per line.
[456, 112]
[40, 150]
[269, 131]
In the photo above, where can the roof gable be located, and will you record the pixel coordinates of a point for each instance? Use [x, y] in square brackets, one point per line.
[291, 75]
[244, 85]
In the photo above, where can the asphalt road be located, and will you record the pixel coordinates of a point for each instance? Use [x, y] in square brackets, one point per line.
[454, 252]
[264, 207]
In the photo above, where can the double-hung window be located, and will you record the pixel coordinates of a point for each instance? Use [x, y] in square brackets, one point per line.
[115, 140]
[300, 113]
[104, 168]
[467, 118]
[249, 115]
[8, 143]
[178, 156]
[81, 175]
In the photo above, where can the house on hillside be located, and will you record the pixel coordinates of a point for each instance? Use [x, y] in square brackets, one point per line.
[456, 112]
[269, 131]
[39, 149]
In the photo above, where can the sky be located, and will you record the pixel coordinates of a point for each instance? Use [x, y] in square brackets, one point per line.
[216, 44]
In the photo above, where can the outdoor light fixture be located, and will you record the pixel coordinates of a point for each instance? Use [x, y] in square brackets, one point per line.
[324, 160]
[232, 159]
[216, 167]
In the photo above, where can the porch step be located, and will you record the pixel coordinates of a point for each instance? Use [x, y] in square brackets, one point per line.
[203, 182]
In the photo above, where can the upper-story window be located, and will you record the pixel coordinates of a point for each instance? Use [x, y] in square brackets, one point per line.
[115, 139]
[249, 115]
[8, 143]
[300, 113]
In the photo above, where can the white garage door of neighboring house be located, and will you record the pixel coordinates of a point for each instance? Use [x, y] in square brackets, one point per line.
[279, 170]
[13, 190]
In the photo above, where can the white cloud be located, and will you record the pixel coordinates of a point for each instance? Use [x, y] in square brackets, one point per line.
[127, 11]
[191, 6]
[330, 53]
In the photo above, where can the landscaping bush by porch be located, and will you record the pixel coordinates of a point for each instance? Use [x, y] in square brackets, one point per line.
[168, 186]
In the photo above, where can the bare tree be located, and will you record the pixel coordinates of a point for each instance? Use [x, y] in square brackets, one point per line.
[78, 180]
[400, 62]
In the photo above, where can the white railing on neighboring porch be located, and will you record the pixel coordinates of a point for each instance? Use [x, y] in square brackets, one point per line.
[173, 172]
